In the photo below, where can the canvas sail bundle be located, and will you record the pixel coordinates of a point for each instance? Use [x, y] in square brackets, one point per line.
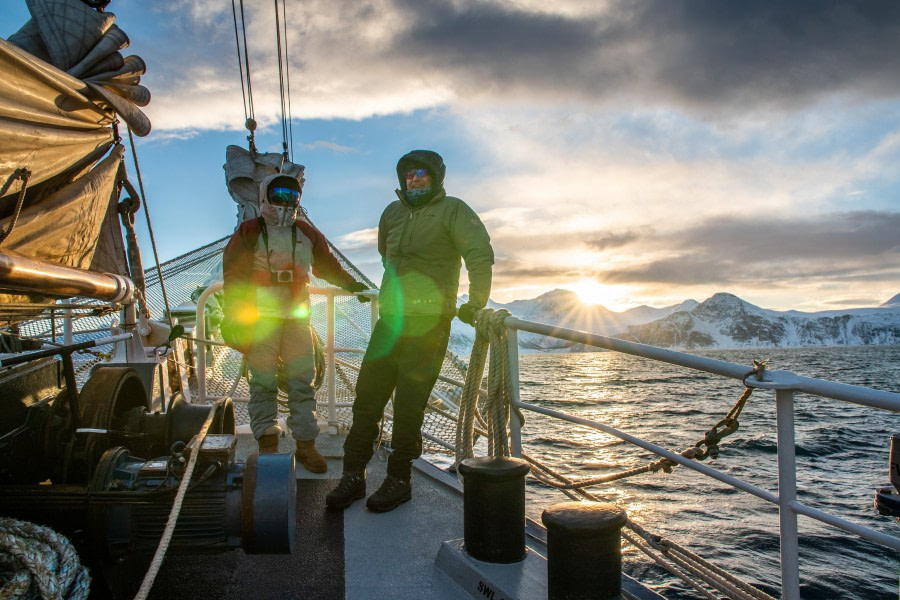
[244, 170]
[63, 81]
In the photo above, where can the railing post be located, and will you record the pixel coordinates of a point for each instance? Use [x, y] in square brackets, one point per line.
[68, 336]
[330, 375]
[373, 314]
[200, 334]
[515, 428]
[787, 495]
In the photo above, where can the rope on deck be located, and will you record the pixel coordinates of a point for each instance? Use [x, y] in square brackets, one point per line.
[36, 561]
[160, 554]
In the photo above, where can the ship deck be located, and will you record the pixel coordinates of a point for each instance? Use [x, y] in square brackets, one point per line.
[357, 554]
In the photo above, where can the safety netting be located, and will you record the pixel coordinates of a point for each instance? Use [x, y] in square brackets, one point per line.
[187, 276]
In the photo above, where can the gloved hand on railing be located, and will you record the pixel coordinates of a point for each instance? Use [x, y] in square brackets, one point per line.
[466, 314]
[358, 286]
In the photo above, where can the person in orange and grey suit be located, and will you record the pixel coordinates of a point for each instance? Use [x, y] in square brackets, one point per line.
[266, 268]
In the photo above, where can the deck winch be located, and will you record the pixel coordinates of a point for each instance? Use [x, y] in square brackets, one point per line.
[229, 504]
[125, 508]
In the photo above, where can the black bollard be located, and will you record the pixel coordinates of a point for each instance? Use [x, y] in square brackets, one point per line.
[584, 550]
[494, 508]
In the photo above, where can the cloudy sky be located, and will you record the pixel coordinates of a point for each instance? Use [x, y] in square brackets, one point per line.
[640, 152]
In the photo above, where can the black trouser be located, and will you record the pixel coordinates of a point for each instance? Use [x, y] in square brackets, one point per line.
[404, 354]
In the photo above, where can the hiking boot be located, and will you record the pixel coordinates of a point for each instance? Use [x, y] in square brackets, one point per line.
[351, 488]
[308, 456]
[392, 493]
[268, 441]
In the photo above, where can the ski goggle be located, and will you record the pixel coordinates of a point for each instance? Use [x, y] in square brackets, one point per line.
[284, 196]
[413, 173]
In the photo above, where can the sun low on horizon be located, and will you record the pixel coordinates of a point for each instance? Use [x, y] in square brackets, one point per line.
[592, 292]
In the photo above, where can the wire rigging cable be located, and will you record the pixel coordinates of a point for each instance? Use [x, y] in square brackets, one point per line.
[287, 73]
[246, 86]
[283, 79]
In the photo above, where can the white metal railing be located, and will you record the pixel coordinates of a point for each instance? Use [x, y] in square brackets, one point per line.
[784, 383]
[330, 349]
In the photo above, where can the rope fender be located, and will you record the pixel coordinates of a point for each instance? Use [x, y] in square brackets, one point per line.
[36, 561]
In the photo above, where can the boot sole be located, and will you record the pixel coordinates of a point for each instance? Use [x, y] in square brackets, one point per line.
[343, 505]
[389, 507]
[312, 470]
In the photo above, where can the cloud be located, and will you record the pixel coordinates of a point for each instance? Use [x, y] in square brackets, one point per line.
[855, 302]
[323, 144]
[840, 247]
[666, 145]
[355, 59]
[359, 240]
[606, 241]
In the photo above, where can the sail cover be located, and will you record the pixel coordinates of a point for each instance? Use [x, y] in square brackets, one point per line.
[244, 170]
[63, 81]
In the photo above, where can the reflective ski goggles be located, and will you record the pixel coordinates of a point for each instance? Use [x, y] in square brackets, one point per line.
[413, 173]
[284, 196]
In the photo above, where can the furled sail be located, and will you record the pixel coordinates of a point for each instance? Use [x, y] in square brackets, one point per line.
[245, 169]
[63, 83]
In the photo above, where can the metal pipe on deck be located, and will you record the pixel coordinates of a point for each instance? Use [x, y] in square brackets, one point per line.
[24, 274]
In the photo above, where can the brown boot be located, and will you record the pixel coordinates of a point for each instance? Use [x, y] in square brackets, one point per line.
[309, 457]
[268, 441]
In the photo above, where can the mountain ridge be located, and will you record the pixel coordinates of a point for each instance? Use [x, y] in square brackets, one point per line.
[721, 321]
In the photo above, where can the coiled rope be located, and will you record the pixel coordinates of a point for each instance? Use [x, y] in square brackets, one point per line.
[490, 338]
[36, 561]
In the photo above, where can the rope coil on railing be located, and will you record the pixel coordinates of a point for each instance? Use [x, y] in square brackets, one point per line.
[42, 563]
[490, 338]
[694, 570]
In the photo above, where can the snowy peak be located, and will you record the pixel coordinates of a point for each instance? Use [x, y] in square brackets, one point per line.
[892, 303]
[726, 321]
[721, 321]
[724, 305]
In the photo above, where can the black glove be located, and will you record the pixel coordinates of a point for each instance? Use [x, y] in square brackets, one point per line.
[358, 286]
[466, 314]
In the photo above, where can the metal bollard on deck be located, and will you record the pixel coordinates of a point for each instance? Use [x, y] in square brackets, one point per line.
[584, 550]
[494, 508]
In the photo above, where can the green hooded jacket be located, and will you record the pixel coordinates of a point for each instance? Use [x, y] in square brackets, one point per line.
[422, 248]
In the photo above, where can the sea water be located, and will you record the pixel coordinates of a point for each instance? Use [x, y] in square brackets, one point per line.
[842, 459]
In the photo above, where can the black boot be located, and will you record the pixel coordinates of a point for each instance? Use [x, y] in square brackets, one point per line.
[392, 493]
[350, 488]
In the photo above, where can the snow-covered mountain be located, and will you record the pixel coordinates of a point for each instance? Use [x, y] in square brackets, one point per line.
[892, 303]
[722, 321]
[563, 308]
[726, 321]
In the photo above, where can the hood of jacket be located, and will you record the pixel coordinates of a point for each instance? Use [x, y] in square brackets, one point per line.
[424, 159]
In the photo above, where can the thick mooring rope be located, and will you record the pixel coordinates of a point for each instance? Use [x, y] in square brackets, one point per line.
[40, 563]
[490, 335]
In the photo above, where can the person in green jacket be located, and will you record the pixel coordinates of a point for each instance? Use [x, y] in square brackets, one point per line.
[423, 237]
